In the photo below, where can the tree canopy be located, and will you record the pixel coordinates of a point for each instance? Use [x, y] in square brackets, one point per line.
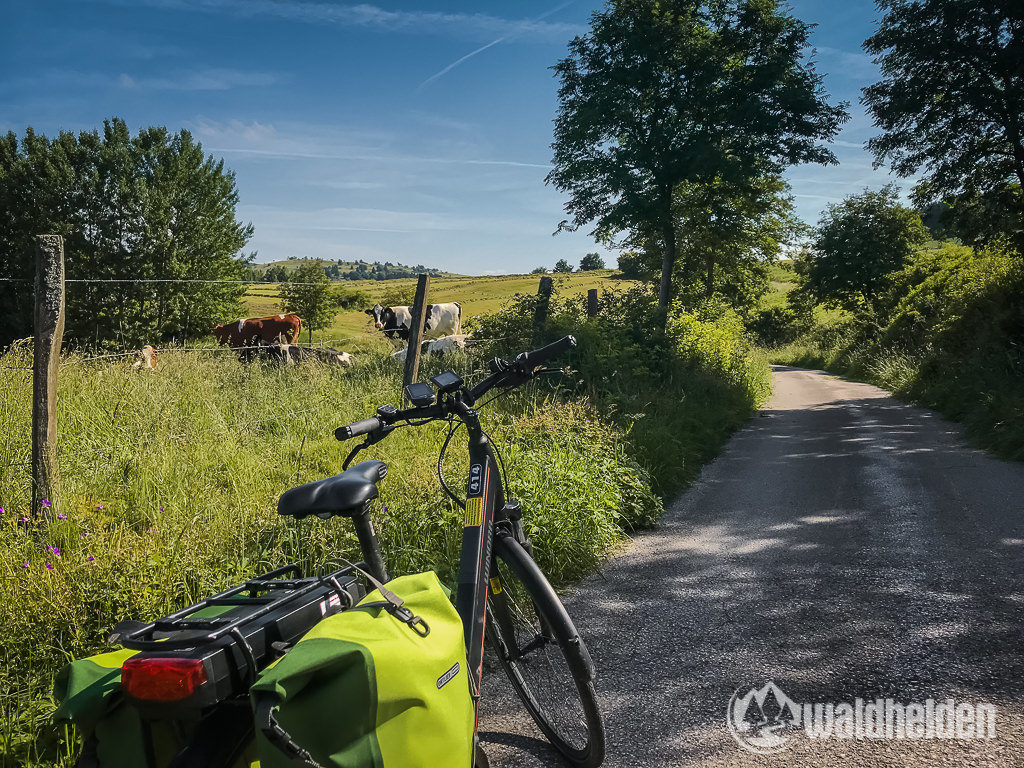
[149, 207]
[591, 261]
[309, 295]
[949, 105]
[857, 243]
[563, 266]
[730, 233]
[666, 92]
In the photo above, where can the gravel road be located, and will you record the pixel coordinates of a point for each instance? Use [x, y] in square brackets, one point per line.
[844, 545]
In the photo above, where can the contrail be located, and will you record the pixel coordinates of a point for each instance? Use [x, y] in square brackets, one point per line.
[483, 48]
[456, 63]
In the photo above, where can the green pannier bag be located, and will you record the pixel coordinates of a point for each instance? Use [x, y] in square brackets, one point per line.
[89, 692]
[381, 685]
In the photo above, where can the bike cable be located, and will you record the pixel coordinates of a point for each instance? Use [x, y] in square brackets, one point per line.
[453, 427]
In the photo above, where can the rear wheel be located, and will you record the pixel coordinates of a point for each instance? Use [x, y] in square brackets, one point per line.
[543, 656]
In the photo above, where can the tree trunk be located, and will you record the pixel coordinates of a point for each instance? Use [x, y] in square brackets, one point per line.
[668, 261]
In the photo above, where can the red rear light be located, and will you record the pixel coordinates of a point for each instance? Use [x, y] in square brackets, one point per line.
[162, 679]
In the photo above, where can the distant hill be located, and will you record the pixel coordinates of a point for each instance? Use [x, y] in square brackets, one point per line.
[276, 271]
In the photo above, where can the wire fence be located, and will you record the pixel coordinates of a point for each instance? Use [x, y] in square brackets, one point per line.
[49, 359]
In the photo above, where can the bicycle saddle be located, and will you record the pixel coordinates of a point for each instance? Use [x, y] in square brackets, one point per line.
[344, 494]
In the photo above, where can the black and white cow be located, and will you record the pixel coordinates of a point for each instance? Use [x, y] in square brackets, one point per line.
[445, 345]
[441, 320]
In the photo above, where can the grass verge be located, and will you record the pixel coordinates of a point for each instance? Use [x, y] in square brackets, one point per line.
[170, 478]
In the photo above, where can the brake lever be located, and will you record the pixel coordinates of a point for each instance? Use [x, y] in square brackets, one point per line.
[371, 439]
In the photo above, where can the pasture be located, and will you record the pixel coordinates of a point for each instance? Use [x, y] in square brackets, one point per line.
[477, 295]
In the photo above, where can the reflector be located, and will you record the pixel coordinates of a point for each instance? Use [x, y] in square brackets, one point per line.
[162, 679]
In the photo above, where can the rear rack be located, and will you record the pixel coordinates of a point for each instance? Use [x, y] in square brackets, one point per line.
[255, 594]
[239, 631]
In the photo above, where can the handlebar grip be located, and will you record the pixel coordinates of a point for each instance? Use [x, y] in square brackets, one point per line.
[555, 348]
[358, 428]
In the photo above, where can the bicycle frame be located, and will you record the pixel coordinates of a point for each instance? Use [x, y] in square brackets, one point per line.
[485, 500]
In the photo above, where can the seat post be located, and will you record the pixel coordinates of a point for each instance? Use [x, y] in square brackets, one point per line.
[368, 543]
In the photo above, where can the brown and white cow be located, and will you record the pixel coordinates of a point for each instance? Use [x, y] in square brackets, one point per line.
[146, 359]
[441, 320]
[254, 331]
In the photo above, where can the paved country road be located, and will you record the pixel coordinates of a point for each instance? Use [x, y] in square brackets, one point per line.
[843, 545]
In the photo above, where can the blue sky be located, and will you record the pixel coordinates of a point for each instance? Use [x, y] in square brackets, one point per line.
[412, 131]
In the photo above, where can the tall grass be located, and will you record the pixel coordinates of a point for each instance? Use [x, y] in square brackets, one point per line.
[169, 479]
[169, 484]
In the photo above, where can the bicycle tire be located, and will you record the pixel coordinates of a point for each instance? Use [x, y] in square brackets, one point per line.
[550, 668]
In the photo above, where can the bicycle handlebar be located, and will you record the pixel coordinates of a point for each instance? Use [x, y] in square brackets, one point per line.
[358, 428]
[554, 349]
[504, 373]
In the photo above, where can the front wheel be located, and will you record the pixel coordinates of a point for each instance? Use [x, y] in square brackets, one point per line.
[543, 655]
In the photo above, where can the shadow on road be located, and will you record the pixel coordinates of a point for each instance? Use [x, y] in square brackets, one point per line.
[842, 548]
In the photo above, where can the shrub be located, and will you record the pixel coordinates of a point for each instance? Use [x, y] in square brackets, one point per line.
[776, 326]
[677, 395]
[633, 267]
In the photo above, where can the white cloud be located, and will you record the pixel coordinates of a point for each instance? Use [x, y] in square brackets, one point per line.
[200, 80]
[353, 220]
[350, 185]
[852, 64]
[470, 25]
[312, 142]
[210, 79]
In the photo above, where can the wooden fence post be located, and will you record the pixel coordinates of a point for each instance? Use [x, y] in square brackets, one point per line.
[540, 312]
[49, 333]
[419, 314]
[592, 302]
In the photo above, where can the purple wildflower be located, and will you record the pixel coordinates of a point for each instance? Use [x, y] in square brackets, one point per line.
[161, 508]
[53, 551]
[49, 567]
[24, 519]
[90, 558]
[1, 510]
[25, 565]
[61, 516]
[45, 503]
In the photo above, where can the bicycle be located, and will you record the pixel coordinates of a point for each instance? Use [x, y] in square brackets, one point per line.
[502, 596]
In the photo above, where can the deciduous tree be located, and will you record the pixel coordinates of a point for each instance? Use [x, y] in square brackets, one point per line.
[949, 105]
[310, 296]
[666, 92]
[150, 212]
[857, 243]
[591, 261]
[729, 233]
